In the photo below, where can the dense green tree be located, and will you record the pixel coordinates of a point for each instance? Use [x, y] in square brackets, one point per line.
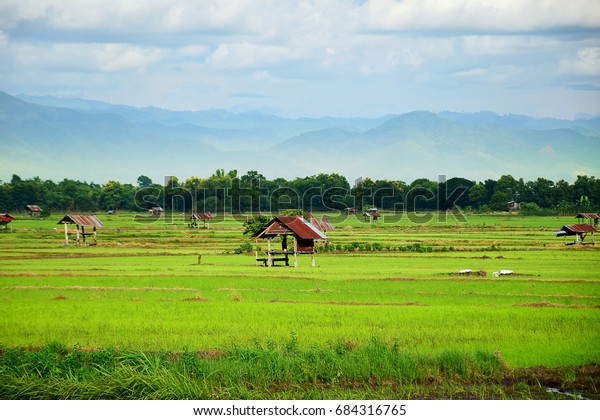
[477, 194]
[113, 196]
[454, 192]
[499, 201]
[422, 195]
[252, 192]
[143, 181]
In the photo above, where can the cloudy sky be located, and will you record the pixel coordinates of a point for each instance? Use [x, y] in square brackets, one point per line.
[309, 57]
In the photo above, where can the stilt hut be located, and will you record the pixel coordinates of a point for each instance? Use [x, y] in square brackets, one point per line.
[371, 215]
[588, 218]
[33, 210]
[200, 217]
[304, 235]
[81, 222]
[580, 231]
[156, 211]
[5, 219]
[323, 224]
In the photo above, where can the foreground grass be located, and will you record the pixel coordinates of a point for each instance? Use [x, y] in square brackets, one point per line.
[266, 371]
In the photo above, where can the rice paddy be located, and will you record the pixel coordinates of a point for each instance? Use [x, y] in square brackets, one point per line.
[141, 290]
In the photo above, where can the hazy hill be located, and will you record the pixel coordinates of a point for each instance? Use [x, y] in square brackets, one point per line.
[94, 141]
[422, 144]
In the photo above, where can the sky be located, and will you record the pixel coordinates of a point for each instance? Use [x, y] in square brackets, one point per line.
[309, 58]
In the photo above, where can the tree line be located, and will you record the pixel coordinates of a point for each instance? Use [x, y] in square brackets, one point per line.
[252, 192]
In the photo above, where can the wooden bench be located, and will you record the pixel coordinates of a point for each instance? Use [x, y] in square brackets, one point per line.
[273, 260]
[284, 259]
[263, 260]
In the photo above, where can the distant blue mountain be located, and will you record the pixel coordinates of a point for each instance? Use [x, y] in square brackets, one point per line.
[94, 141]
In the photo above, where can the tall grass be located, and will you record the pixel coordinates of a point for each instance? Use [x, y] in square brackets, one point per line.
[262, 370]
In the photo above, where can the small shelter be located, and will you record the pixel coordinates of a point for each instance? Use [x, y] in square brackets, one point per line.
[513, 206]
[197, 217]
[5, 219]
[156, 211]
[83, 222]
[33, 210]
[303, 232]
[323, 224]
[588, 218]
[371, 214]
[350, 210]
[580, 231]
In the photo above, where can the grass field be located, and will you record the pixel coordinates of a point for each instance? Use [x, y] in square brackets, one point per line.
[393, 286]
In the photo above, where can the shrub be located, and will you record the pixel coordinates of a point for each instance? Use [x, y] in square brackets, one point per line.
[244, 247]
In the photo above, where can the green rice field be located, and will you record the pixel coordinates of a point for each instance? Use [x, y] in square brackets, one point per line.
[393, 285]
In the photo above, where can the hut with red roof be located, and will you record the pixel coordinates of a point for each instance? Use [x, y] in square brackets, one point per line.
[304, 235]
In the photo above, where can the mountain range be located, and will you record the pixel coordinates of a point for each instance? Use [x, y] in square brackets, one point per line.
[56, 138]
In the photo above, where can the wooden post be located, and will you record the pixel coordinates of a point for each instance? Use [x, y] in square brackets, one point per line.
[269, 256]
[295, 252]
[256, 251]
[83, 234]
[66, 234]
[77, 237]
[95, 236]
[312, 256]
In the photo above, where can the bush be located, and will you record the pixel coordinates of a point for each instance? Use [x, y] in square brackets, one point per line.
[244, 247]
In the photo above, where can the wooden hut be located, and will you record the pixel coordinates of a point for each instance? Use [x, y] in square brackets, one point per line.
[81, 222]
[5, 219]
[323, 224]
[156, 211]
[371, 214]
[200, 217]
[588, 218]
[33, 210]
[580, 231]
[303, 232]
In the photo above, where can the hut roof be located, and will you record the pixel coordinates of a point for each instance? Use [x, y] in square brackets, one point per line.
[5, 217]
[201, 216]
[81, 220]
[323, 224]
[587, 216]
[33, 207]
[568, 230]
[290, 224]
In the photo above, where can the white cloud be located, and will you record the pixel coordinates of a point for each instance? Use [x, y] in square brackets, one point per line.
[247, 55]
[480, 16]
[486, 45]
[140, 15]
[363, 53]
[262, 75]
[83, 57]
[500, 76]
[192, 51]
[476, 72]
[586, 62]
